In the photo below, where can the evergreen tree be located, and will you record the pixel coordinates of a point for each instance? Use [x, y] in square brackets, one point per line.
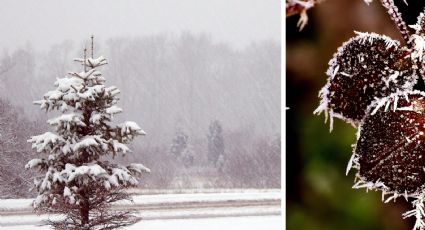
[79, 182]
[181, 148]
[179, 143]
[215, 144]
[188, 156]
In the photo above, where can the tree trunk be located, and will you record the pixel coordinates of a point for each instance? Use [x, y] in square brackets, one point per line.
[84, 211]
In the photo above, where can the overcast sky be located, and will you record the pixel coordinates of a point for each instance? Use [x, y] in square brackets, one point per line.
[47, 22]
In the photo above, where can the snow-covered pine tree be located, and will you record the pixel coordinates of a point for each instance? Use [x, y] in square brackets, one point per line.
[181, 148]
[179, 143]
[79, 183]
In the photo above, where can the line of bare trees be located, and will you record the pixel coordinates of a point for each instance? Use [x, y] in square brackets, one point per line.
[15, 129]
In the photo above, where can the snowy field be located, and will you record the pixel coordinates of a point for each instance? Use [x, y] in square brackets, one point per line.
[235, 210]
[168, 198]
[223, 223]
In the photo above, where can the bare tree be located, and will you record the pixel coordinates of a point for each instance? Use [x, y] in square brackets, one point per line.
[14, 131]
[6, 64]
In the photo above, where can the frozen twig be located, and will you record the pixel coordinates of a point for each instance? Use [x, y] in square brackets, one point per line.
[300, 7]
[397, 19]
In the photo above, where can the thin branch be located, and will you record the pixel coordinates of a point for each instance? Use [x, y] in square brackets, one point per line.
[300, 7]
[92, 46]
[395, 15]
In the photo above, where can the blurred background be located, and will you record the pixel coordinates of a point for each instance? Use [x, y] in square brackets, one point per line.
[202, 78]
[319, 195]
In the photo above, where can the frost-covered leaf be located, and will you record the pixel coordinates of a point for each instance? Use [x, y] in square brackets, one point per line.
[419, 27]
[391, 143]
[418, 49]
[366, 67]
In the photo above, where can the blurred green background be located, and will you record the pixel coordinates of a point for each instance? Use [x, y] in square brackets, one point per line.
[319, 194]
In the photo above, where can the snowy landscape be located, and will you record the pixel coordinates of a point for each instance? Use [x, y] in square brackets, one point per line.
[246, 223]
[139, 128]
[207, 209]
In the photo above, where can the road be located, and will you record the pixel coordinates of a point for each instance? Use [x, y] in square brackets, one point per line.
[161, 211]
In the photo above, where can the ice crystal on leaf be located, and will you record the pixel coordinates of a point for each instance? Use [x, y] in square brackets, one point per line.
[419, 26]
[390, 150]
[391, 144]
[364, 68]
[370, 85]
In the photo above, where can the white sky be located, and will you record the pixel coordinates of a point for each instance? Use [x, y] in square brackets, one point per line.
[46, 22]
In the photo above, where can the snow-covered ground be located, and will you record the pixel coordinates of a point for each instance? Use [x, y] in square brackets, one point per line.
[163, 214]
[224, 223]
[158, 199]
[139, 191]
[235, 210]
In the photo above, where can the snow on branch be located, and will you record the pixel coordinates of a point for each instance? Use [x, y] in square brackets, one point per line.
[112, 90]
[45, 142]
[130, 127]
[92, 63]
[121, 175]
[119, 147]
[91, 74]
[35, 163]
[90, 142]
[71, 172]
[139, 168]
[66, 121]
[113, 110]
